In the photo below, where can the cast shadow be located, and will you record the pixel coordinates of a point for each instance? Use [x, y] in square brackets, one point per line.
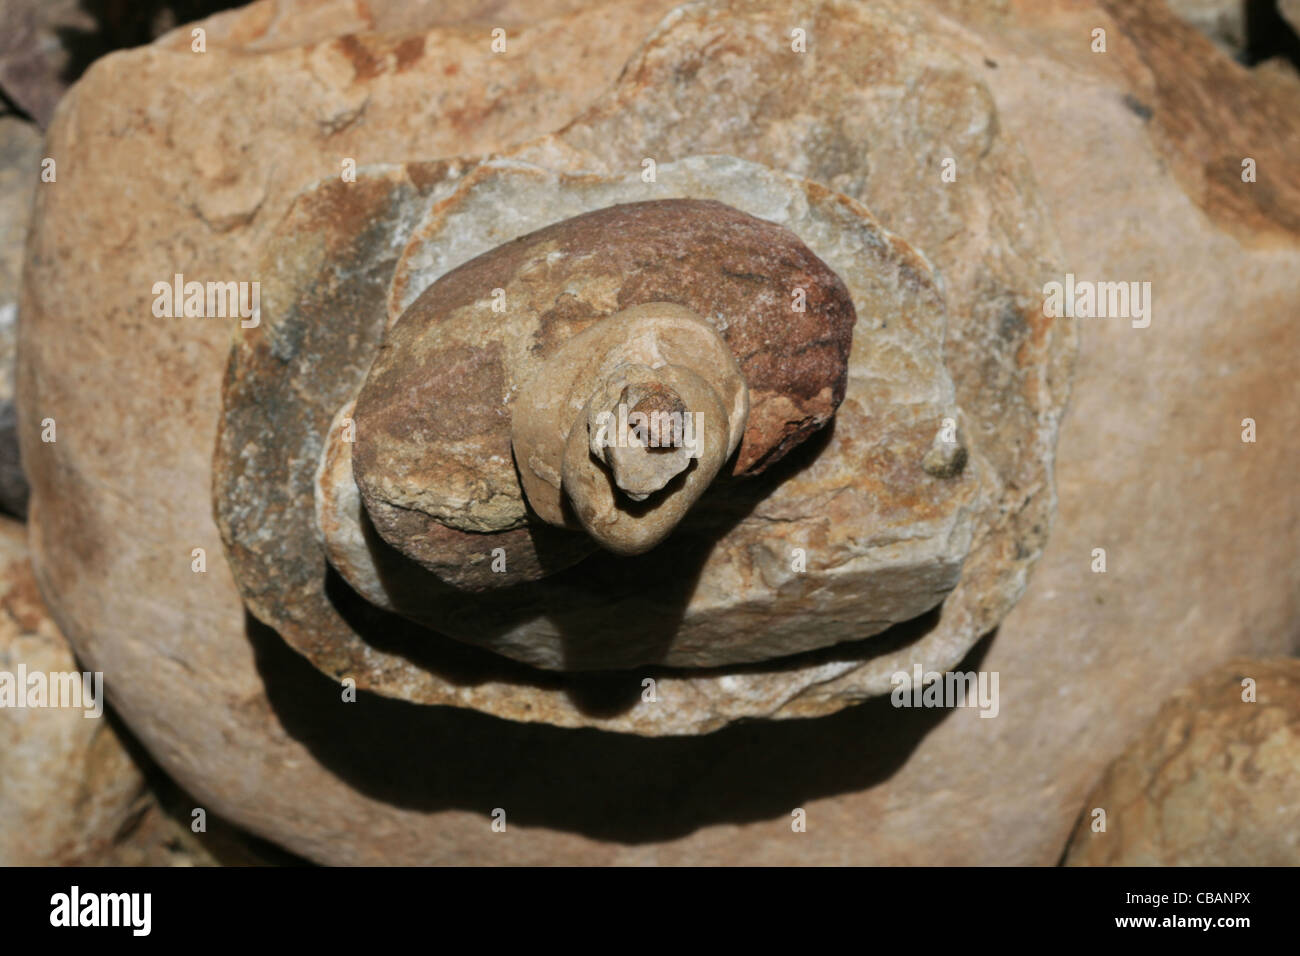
[614, 787]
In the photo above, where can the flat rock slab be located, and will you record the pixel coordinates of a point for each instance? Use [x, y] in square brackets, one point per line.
[883, 539]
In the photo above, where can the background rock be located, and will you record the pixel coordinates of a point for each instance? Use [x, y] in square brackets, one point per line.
[1290, 11]
[20, 167]
[77, 791]
[67, 785]
[34, 52]
[1213, 780]
[1195, 575]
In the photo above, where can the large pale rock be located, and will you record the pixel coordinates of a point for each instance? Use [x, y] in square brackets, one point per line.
[1213, 780]
[1129, 151]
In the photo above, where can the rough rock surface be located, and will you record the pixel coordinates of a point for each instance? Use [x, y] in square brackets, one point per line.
[734, 270]
[20, 163]
[1213, 780]
[1151, 441]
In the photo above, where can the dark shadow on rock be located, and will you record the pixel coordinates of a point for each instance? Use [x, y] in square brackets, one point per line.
[14, 490]
[594, 693]
[595, 604]
[1268, 34]
[121, 24]
[668, 576]
[605, 786]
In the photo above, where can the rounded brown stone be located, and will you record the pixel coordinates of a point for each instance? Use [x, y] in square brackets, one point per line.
[433, 418]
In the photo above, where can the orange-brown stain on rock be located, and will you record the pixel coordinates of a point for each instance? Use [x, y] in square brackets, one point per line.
[408, 52]
[340, 211]
[1029, 355]
[1208, 114]
[425, 176]
[364, 13]
[365, 65]
[901, 483]
[20, 599]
